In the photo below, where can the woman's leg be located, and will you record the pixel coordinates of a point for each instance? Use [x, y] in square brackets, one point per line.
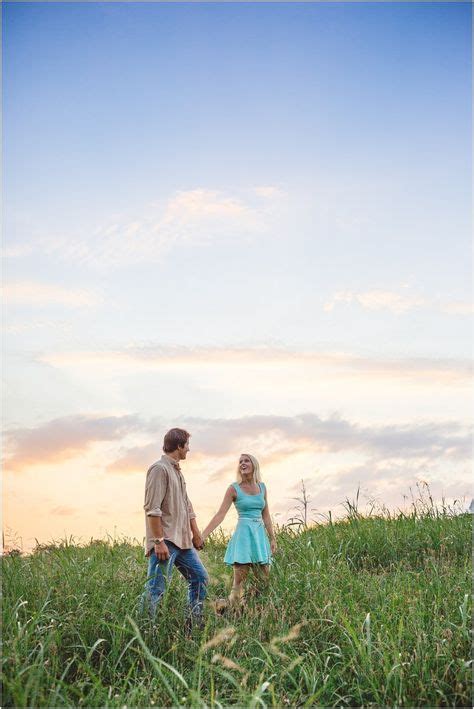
[240, 574]
[264, 569]
[262, 575]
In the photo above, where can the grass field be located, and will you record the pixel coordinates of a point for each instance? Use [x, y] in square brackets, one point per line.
[370, 611]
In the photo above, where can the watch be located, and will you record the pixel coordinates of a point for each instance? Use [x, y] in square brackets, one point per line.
[158, 540]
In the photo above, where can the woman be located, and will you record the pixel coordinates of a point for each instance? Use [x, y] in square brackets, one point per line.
[249, 544]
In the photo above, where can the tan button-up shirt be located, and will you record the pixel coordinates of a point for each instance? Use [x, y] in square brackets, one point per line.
[166, 497]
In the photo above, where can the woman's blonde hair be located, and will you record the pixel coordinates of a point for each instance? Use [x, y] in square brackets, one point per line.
[256, 469]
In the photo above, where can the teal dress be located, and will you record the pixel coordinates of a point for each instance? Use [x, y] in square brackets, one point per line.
[249, 544]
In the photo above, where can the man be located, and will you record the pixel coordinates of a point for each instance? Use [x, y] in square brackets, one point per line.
[172, 534]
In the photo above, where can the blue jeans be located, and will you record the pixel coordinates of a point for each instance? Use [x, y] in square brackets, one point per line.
[189, 565]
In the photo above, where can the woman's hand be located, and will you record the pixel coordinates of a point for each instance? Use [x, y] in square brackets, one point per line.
[273, 545]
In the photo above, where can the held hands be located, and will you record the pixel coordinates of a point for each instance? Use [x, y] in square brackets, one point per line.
[198, 542]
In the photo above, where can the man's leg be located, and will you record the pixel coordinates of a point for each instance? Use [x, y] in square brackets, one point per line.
[159, 574]
[191, 567]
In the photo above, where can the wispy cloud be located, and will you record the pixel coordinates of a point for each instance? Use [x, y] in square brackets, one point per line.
[376, 300]
[63, 438]
[200, 204]
[217, 442]
[64, 511]
[269, 192]
[458, 308]
[395, 302]
[197, 217]
[380, 483]
[17, 250]
[272, 436]
[419, 370]
[333, 434]
[64, 326]
[37, 295]
[333, 454]
[135, 458]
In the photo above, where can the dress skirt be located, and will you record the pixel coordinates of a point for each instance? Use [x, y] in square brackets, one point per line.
[249, 544]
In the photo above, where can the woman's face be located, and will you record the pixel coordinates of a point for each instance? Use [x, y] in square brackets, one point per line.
[245, 465]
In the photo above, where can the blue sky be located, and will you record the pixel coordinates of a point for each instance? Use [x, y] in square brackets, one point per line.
[223, 211]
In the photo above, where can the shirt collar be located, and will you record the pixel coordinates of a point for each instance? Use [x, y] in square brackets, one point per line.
[169, 459]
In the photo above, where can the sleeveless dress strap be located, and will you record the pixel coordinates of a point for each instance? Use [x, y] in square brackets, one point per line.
[236, 487]
[262, 487]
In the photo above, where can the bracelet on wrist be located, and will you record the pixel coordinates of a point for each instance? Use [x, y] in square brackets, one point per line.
[158, 540]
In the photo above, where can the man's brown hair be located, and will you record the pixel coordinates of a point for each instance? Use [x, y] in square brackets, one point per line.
[176, 437]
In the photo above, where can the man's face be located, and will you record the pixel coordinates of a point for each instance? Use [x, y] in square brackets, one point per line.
[183, 450]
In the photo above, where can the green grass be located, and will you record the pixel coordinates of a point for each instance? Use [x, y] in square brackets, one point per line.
[367, 611]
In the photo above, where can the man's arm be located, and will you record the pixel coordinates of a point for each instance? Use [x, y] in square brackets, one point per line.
[155, 490]
[198, 542]
[197, 539]
[161, 550]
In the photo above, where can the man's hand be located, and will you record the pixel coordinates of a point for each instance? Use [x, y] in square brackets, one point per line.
[162, 551]
[198, 542]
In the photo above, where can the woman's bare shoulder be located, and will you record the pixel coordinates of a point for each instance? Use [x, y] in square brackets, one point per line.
[231, 491]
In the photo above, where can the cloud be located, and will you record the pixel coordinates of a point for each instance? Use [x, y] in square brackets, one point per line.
[36, 294]
[135, 459]
[62, 438]
[191, 205]
[419, 370]
[17, 251]
[269, 192]
[64, 326]
[64, 511]
[197, 217]
[458, 308]
[267, 457]
[334, 434]
[395, 302]
[376, 300]
[334, 455]
[383, 482]
[217, 442]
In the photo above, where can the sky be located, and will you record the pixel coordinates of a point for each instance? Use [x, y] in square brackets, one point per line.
[250, 220]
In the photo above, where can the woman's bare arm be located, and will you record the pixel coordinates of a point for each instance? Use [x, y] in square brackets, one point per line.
[218, 518]
[267, 520]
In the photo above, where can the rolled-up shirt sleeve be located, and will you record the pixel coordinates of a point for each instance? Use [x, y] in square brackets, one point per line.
[155, 490]
[192, 514]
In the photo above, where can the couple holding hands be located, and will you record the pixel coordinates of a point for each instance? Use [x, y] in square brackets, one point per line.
[172, 534]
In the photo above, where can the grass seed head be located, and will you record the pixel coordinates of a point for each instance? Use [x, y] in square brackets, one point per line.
[291, 635]
[227, 662]
[220, 638]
